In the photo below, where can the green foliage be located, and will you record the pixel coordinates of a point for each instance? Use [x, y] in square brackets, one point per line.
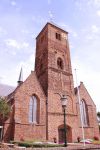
[96, 142]
[4, 109]
[98, 114]
[38, 145]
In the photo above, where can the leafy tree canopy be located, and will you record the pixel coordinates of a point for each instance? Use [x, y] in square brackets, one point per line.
[4, 109]
[98, 114]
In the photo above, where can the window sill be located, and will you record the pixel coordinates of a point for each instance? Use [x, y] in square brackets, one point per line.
[36, 124]
[87, 127]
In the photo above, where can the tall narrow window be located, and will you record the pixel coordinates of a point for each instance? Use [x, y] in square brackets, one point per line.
[60, 63]
[33, 110]
[84, 113]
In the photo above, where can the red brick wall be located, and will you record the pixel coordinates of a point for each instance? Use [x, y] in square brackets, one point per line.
[92, 130]
[22, 97]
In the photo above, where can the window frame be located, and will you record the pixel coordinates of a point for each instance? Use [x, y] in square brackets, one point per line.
[84, 113]
[33, 110]
[58, 36]
[60, 63]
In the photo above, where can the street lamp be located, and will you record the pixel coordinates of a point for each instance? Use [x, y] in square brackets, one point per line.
[63, 99]
[64, 103]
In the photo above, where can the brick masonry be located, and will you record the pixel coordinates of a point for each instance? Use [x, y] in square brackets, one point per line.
[44, 82]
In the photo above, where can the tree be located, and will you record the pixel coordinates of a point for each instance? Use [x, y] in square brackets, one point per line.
[4, 110]
[98, 115]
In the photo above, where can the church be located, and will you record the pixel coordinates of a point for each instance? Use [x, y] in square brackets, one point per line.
[36, 105]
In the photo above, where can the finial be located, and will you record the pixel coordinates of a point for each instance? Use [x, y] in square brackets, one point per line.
[20, 80]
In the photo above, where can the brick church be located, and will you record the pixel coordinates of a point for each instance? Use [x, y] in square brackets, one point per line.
[36, 108]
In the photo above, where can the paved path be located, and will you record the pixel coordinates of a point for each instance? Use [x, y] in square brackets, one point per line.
[82, 147]
[71, 146]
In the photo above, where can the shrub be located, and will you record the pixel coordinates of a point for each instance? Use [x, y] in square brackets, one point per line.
[24, 144]
[32, 145]
[37, 145]
[78, 139]
[96, 138]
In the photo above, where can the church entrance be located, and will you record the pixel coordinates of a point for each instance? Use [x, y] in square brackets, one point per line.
[61, 133]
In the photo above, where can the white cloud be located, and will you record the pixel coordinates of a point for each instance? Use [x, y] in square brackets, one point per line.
[13, 3]
[91, 33]
[39, 19]
[98, 12]
[69, 29]
[1, 78]
[15, 44]
[2, 31]
[25, 44]
[25, 31]
[94, 28]
[96, 2]
[12, 43]
[89, 77]
[27, 66]
[49, 2]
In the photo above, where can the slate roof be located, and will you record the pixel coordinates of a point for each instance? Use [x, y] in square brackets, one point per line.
[6, 89]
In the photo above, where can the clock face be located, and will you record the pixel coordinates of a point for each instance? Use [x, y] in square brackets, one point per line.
[64, 36]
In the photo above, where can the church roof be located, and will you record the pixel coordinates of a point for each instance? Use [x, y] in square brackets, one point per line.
[6, 89]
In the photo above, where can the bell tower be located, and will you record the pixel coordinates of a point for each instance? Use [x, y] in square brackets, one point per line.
[53, 69]
[53, 64]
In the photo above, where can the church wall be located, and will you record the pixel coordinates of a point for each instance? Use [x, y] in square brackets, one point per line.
[57, 121]
[92, 129]
[29, 132]
[22, 97]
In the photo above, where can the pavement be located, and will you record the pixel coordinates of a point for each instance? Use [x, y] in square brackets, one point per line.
[70, 146]
[81, 146]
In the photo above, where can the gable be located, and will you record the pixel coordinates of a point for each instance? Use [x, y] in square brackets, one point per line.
[84, 94]
[30, 86]
[22, 95]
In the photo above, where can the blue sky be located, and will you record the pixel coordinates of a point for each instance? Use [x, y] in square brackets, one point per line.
[22, 20]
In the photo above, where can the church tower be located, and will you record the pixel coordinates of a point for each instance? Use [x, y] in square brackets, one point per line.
[53, 64]
[53, 69]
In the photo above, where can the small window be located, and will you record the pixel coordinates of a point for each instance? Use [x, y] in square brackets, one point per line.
[58, 36]
[60, 63]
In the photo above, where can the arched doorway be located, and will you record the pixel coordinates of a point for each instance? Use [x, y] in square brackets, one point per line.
[61, 133]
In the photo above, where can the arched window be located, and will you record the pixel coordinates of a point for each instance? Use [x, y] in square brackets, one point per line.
[33, 104]
[84, 113]
[60, 63]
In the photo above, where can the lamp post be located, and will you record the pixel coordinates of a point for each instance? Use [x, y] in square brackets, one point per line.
[63, 99]
[64, 103]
